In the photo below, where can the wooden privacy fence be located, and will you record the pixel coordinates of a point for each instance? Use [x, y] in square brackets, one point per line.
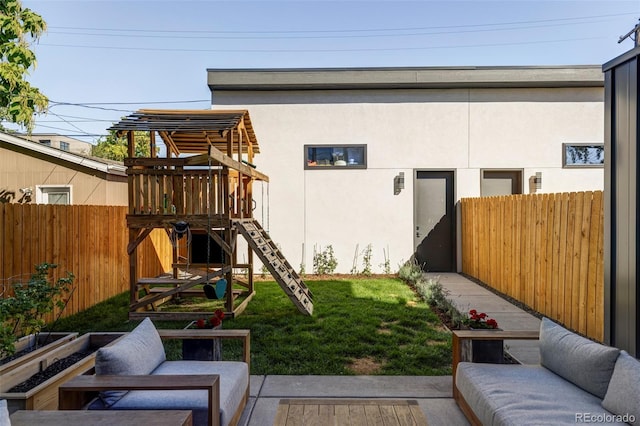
[89, 241]
[544, 250]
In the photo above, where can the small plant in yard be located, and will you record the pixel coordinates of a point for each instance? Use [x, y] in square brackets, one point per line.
[410, 271]
[213, 322]
[433, 292]
[386, 265]
[324, 262]
[23, 313]
[264, 271]
[366, 260]
[480, 320]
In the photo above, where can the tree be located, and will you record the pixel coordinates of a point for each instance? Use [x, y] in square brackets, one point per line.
[19, 101]
[114, 147]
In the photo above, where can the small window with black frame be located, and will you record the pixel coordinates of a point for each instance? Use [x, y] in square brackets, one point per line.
[335, 156]
[582, 155]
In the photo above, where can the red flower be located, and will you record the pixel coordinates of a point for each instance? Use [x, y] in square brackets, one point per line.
[492, 323]
[214, 321]
[480, 320]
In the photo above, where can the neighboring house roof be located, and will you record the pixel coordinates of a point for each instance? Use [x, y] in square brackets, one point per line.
[35, 149]
[404, 78]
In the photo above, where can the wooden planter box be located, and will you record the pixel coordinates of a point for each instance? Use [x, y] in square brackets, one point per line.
[45, 395]
[46, 343]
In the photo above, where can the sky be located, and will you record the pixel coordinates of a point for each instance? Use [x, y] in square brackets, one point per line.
[102, 60]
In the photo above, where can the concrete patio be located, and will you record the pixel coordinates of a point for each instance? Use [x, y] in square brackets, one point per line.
[433, 393]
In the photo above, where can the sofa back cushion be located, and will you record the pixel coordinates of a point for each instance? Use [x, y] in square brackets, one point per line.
[137, 353]
[623, 395]
[586, 364]
[4, 413]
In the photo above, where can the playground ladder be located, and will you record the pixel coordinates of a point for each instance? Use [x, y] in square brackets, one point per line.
[274, 260]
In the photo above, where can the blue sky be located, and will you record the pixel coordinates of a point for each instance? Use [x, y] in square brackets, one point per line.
[110, 58]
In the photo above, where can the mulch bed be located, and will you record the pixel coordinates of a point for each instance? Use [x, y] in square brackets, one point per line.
[50, 371]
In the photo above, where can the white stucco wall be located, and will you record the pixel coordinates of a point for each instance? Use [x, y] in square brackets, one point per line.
[465, 130]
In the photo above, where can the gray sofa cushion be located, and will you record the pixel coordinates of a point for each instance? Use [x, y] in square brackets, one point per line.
[234, 381]
[584, 363]
[502, 394]
[138, 353]
[4, 413]
[623, 395]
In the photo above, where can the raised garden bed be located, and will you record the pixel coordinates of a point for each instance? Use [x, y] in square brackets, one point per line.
[68, 360]
[33, 346]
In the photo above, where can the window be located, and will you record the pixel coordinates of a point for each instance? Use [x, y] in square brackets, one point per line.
[53, 194]
[64, 146]
[501, 182]
[335, 156]
[45, 142]
[582, 155]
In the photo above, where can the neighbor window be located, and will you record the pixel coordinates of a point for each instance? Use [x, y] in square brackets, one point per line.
[53, 194]
[46, 142]
[64, 146]
[335, 156]
[582, 155]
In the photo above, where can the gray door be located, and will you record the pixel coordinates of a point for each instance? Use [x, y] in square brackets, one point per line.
[434, 219]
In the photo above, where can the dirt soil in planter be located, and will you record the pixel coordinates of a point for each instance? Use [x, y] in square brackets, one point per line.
[26, 351]
[50, 371]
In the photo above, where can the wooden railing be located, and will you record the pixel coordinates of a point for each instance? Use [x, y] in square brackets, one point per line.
[544, 250]
[175, 191]
[89, 241]
[165, 191]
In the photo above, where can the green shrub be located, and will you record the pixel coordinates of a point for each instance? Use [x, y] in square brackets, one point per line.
[22, 314]
[410, 271]
[324, 262]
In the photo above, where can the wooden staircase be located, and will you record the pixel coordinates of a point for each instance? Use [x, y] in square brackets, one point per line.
[274, 260]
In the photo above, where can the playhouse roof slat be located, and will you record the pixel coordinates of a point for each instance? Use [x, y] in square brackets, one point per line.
[191, 131]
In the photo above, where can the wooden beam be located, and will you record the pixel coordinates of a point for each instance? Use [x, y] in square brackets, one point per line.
[225, 160]
[152, 143]
[142, 234]
[170, 143]
[221, 242]
[185, 284]
[131, 144]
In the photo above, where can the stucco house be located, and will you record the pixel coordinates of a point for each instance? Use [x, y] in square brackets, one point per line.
[382, 156]
[33, 172]
[65, 143]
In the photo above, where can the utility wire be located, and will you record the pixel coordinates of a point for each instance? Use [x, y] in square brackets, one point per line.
[308, 50]
[293, 32]
[324, 37]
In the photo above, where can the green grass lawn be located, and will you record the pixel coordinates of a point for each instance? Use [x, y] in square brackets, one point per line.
[359, 326]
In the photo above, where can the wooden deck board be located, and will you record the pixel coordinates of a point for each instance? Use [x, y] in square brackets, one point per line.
[351, 412]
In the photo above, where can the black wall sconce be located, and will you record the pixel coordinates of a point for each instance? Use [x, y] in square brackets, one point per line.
[398, 183]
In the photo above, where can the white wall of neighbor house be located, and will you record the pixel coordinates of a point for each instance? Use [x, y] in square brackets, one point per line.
[465, 130]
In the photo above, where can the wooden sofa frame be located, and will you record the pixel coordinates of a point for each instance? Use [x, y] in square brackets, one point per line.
[460, 338]
[78, 392]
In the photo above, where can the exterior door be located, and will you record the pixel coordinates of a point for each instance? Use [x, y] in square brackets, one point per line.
[435, 221]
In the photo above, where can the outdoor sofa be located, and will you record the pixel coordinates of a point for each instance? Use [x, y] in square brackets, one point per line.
[133, 374]
[577, 381]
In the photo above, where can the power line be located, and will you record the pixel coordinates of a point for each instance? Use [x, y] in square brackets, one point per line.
[293, 32]
[288, 37]
[308, 50]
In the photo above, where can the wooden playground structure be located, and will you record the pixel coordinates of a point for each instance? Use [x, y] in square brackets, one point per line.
[201, 194]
